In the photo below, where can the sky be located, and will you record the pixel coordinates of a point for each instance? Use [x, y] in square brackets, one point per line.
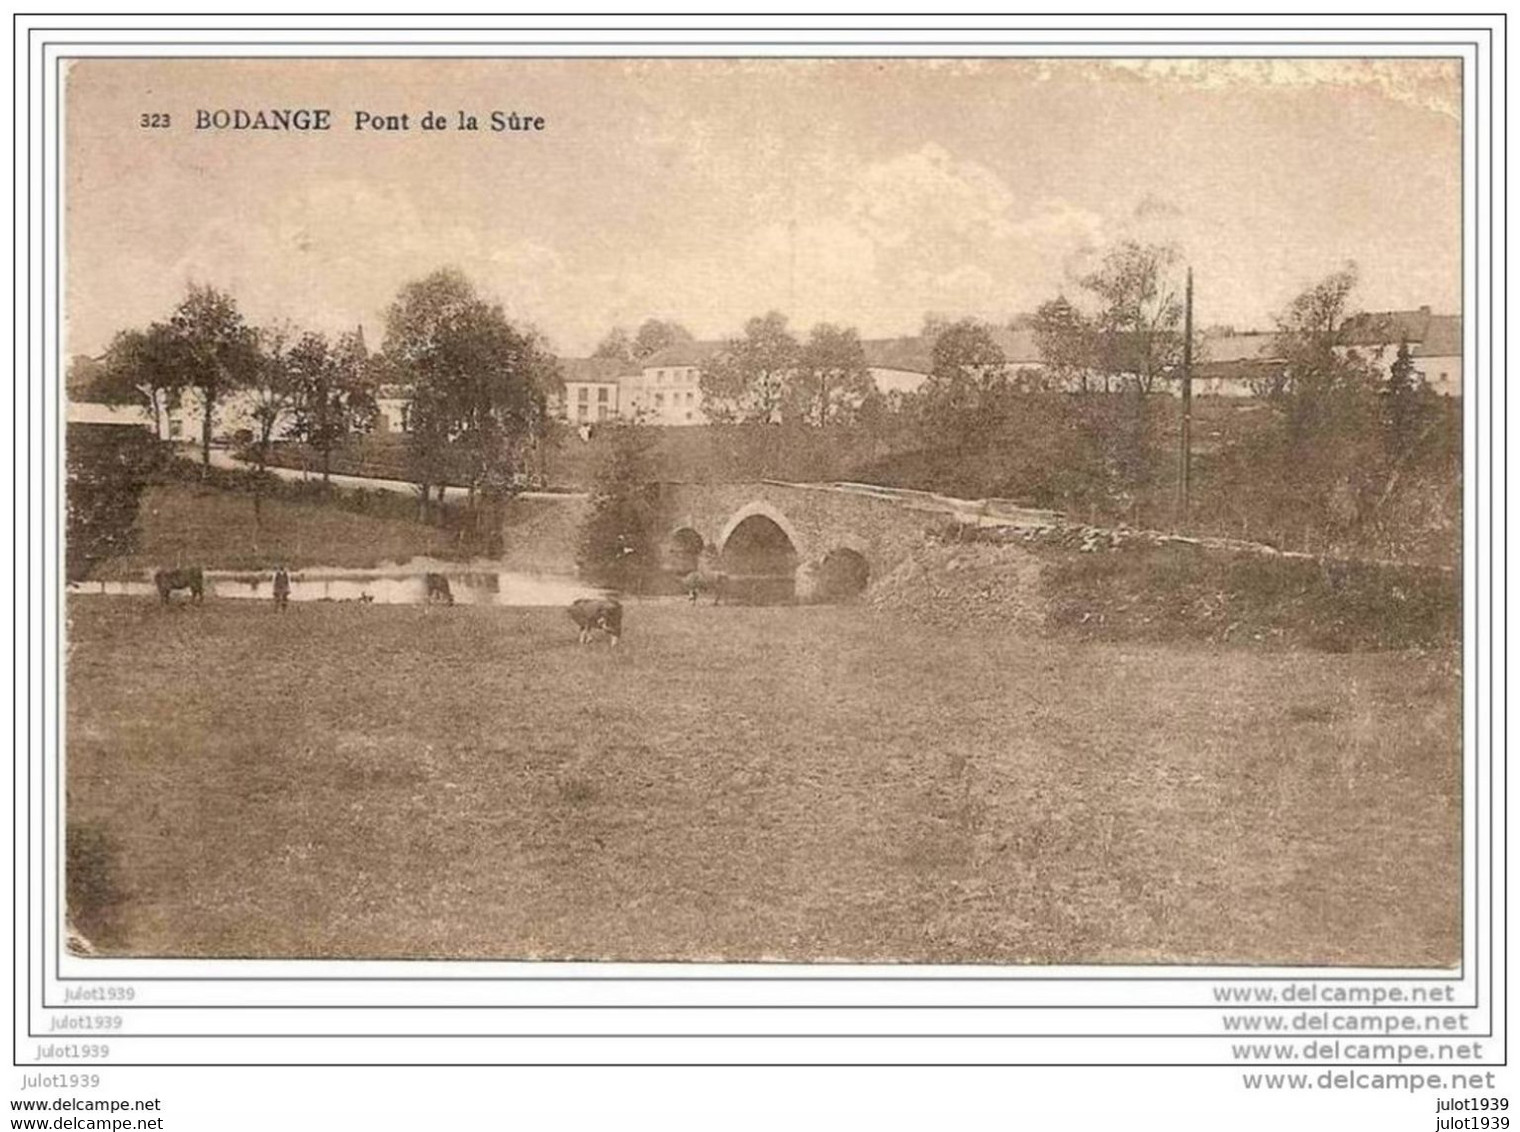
[861, 192]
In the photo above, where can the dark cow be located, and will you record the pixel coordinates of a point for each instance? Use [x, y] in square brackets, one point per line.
[438, 589]
[190, 578]
[593, 613]
[705, 582]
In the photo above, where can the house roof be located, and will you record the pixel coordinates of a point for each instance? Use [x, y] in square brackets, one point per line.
[916, 354]
[1248, 346]
[1443, 337]
[1018, 346]
[606, 370]
[911, 355]
[681, 354]
[97, 413]
[1386, 328]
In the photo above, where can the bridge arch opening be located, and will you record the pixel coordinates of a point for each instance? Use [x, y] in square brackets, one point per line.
[683, 551]
[843, 574]
[760, 559]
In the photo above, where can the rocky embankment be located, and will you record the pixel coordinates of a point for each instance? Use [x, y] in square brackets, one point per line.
[1101, 584]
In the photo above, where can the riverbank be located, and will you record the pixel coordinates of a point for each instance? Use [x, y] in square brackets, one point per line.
[185, 524]
[1083, 584]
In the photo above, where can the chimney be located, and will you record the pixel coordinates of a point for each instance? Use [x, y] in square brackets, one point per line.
[1425, 310]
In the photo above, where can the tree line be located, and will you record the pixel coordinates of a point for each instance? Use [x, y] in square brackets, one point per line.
[475, 384]
[1338, 448]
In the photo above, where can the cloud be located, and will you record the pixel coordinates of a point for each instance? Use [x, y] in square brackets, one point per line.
[929, 197]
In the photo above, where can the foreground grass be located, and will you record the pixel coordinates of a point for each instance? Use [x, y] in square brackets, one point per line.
[747, 783]
[182, 524]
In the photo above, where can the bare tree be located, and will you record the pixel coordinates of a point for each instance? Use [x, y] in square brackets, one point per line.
[1137, 339]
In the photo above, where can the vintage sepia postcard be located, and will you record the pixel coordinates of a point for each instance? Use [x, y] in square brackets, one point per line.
[956, 511]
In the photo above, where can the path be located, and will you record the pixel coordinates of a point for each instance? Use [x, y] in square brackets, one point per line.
[221, 458]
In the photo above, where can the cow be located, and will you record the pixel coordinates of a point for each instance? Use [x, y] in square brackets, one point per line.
[281, 588]
[190, 578]
[703, 581]
[438, 589]
[593, 613]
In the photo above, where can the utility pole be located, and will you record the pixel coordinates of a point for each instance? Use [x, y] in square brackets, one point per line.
[1185, 459]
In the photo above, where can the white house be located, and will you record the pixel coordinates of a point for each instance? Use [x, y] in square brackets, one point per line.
[97, 413]
[665, 388]
[1230, 364]
[593, 390]
[1435, 344]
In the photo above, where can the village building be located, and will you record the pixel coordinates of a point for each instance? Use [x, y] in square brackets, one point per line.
[1434, 340]
[665, 388]
[592, 390]
[1231, 364]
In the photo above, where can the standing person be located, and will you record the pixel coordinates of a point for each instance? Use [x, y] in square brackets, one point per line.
[281, 588]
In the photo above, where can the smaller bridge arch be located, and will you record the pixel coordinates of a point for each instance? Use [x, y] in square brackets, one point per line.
[683, 548]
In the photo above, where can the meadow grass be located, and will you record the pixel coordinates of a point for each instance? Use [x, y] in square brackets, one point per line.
[747, 783]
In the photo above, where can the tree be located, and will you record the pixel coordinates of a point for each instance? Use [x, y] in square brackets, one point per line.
[618, 542]
[654, 335]
[214, 352]
[967, 365]
[747, 381]
[1403, 393]
[1321, 468]
[82, 373]
[273, 388]
[616, 345]
[479, 388]
[140, 368]
[1322, 371]
[832, 380]
[933, 325]
[332, 396]
[1064, 336]
[1136, 337]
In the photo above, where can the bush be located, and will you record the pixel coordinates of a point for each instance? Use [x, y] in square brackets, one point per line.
[1180, 592]
[108, 468]
[618, 544]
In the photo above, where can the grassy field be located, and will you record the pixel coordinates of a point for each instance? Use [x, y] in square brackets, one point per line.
[183, 524]
[747, 783]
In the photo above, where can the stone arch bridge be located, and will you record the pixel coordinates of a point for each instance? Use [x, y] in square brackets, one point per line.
[832, 538]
